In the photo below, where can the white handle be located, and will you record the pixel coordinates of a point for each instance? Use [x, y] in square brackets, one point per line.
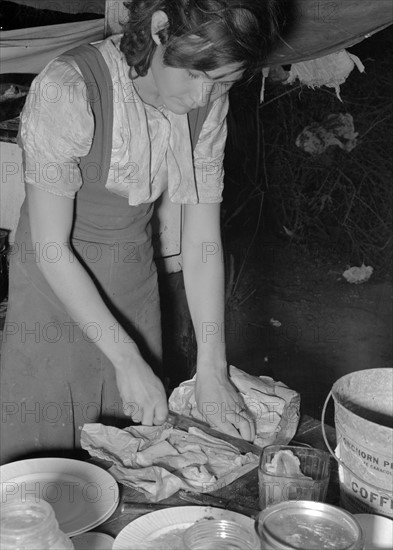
[340, 462]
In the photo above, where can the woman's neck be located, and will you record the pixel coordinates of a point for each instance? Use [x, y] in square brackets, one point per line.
[146, 89]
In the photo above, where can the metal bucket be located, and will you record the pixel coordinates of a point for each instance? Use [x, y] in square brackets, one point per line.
[363, 403]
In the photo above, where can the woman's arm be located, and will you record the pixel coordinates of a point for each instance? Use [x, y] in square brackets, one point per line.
[51, 220]
[203, 269]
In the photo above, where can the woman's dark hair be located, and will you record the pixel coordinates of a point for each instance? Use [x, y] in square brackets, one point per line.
[203, 35]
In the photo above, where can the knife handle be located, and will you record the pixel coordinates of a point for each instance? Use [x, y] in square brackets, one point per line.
[129, 507]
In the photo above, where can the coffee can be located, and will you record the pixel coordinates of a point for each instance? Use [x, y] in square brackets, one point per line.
[308, 525]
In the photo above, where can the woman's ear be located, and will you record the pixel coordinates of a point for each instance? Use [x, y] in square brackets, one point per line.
[159, 21]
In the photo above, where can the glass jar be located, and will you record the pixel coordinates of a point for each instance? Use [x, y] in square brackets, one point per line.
[308, 525]
[220, 534]
[276, 487]
[31, 525]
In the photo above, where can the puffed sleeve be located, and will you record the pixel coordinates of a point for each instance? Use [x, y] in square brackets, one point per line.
[209, 153]
[56, 129]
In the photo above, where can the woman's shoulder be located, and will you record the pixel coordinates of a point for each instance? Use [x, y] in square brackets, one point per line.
[63, 71]
[59, 73]
[110, 51]
[58, 91]
[57, 109]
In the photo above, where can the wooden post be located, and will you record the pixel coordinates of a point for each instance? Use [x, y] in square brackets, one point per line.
[115, 14]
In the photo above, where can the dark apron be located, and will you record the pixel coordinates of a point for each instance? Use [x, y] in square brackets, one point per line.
[53, 376]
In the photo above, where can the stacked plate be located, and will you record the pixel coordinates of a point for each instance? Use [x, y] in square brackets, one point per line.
[82, 495]
[164, 528]
[378, 531]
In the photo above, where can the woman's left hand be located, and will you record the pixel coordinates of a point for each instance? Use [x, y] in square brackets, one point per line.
[221, 405]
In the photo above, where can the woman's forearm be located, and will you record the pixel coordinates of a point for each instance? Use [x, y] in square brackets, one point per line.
[79, 295]
[51, 222]
[203, 270]
[217, 398]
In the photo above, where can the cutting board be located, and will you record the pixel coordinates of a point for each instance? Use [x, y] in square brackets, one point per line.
[244, 489]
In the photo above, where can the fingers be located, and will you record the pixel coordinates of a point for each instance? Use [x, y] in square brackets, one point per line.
[237, 421]
[246, 423]
[241, 423]
[147, 415]
[225, 427]
[160, 413]
[156, 414]
[246, 427]
[133, 411]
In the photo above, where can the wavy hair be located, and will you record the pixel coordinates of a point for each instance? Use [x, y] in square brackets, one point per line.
[203, 35]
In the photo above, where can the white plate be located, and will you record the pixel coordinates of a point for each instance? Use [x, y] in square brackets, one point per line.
[82, 495]
[378, 531]
[144, 530]
[93, 541]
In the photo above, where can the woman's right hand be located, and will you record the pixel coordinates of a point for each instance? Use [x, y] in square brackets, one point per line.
[142, 393]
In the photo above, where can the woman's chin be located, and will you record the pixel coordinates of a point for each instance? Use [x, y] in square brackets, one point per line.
[178, 109]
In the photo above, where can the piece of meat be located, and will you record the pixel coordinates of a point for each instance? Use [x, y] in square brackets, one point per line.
[285, 463]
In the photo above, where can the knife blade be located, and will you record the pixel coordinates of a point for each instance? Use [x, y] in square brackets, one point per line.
[200, 499]
[203, 499]
[183, 422]
[129, 507]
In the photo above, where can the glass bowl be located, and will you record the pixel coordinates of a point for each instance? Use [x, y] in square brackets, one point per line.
[220, 534]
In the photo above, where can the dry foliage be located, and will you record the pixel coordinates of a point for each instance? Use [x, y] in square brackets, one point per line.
[340, 201]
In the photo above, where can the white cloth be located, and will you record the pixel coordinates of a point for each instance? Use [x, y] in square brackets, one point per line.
[160, 460]
[274, 407]
[330, 70]
[30, 49]
[151, 148]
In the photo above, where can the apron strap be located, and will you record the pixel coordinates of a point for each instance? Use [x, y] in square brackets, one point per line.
[99, 85]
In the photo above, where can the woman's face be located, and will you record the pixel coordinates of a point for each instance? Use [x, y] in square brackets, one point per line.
[182, 90]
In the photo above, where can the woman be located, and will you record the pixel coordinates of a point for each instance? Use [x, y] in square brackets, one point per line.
[103, 136]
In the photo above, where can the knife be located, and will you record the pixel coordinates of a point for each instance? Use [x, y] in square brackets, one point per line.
[203, 499]
[183, 422]
[199, 499]
[129, 507]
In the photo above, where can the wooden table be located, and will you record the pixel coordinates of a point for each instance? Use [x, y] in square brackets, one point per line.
[243, 490]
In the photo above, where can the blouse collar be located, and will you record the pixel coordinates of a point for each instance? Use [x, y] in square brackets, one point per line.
[161, 145]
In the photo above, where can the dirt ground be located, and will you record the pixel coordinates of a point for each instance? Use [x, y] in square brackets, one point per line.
[295, 318]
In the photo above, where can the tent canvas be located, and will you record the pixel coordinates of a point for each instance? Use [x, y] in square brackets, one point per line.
[320, 27]
[317, 27]
[65, 6]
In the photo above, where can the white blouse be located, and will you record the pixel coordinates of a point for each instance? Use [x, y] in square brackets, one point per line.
[151, 148]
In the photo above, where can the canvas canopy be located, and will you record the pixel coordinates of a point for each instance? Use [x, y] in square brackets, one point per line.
[320, 27]
[29, 50]
[323, 27]
[65, 6]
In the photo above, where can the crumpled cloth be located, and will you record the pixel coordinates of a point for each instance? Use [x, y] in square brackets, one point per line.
[274, 406]
[160, 460]
[358, 275]
[336, 129]
[330, 70]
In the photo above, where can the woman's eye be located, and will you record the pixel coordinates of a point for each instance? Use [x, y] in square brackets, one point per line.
[192, 75]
